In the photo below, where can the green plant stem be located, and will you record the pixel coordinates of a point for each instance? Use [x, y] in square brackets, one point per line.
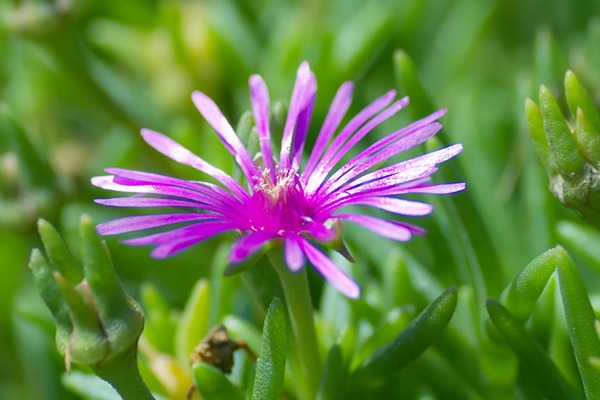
[300, 312]
[123, 374]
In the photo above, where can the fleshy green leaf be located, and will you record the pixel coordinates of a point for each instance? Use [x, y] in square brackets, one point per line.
[193, 323]
[522, 293]
[588, 138]
[560, 140]
[213, 384]
[270, 366]
[580, 322]
[578, 98]
[59, 255]
[530, 353]
[408, 345]
[538, 135]
[333, 374]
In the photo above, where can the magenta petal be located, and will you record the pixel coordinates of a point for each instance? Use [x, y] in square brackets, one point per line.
[177, 152]
[396, 206]
[304, 89]
[197, 232]
[247, 245]
[143, 202]
[259, 97]
[350, 135]
[141, 222]
[331, 272]
[215, 118]
[385, 228]
[171, 248]
[294, 258]
[336, 113]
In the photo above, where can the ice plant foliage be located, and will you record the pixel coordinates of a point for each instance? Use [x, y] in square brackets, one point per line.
[280, 199]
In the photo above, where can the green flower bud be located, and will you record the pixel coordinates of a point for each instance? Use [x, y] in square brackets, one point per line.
[570, 153]
[98, 324]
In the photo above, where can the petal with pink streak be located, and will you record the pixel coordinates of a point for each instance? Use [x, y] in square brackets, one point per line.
[177, 152]
[248, 245]
[217, 120]
[259, 98]
[294, 258]
[385, 228]
[142, 222]
[331, 272]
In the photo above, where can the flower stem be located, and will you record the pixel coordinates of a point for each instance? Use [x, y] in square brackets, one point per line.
[123, 374]
[301, 318]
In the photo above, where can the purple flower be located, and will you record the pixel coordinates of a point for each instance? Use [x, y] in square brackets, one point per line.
[282, 200]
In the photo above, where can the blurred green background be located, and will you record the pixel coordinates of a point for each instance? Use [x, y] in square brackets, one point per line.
[78, 79]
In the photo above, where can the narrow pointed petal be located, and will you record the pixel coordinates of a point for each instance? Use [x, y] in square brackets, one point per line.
[355, 123]
[141, 222]
[382, 150]
[331, 272]
[304, 89]
[248, 245]
[144, 202]
[302, 125]
[196, 232]
[336, 113]
[215, 118]
[259, 98]
[177, 152]
[294, 258]
[385, 228]
[206, 202]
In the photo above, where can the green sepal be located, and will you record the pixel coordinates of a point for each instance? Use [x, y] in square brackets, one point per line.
[410, 84]
[87, 344]
[530, 353]
[560, 140]
[121, 316]
[578, 98]
[522, 294]
[580, 322]
[59, 255]
[213, 384]
[333, 376]
[270, 366]
[48, 289]
[538, 135]
[588, 139]
[408, 345]
[193, 322]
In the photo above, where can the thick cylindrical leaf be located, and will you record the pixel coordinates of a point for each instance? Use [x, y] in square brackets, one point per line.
[560, 140]
[530, 353]
[578, 98]
[580, 322]
[270, 366]
[409, 344]
[213, 384]
[588, 138]
[333, 375]
[522, 293]
[538, 135]
[59, 255]
[193, 323]
[50, 293]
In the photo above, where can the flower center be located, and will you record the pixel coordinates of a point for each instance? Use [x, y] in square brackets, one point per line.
[278, 204]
